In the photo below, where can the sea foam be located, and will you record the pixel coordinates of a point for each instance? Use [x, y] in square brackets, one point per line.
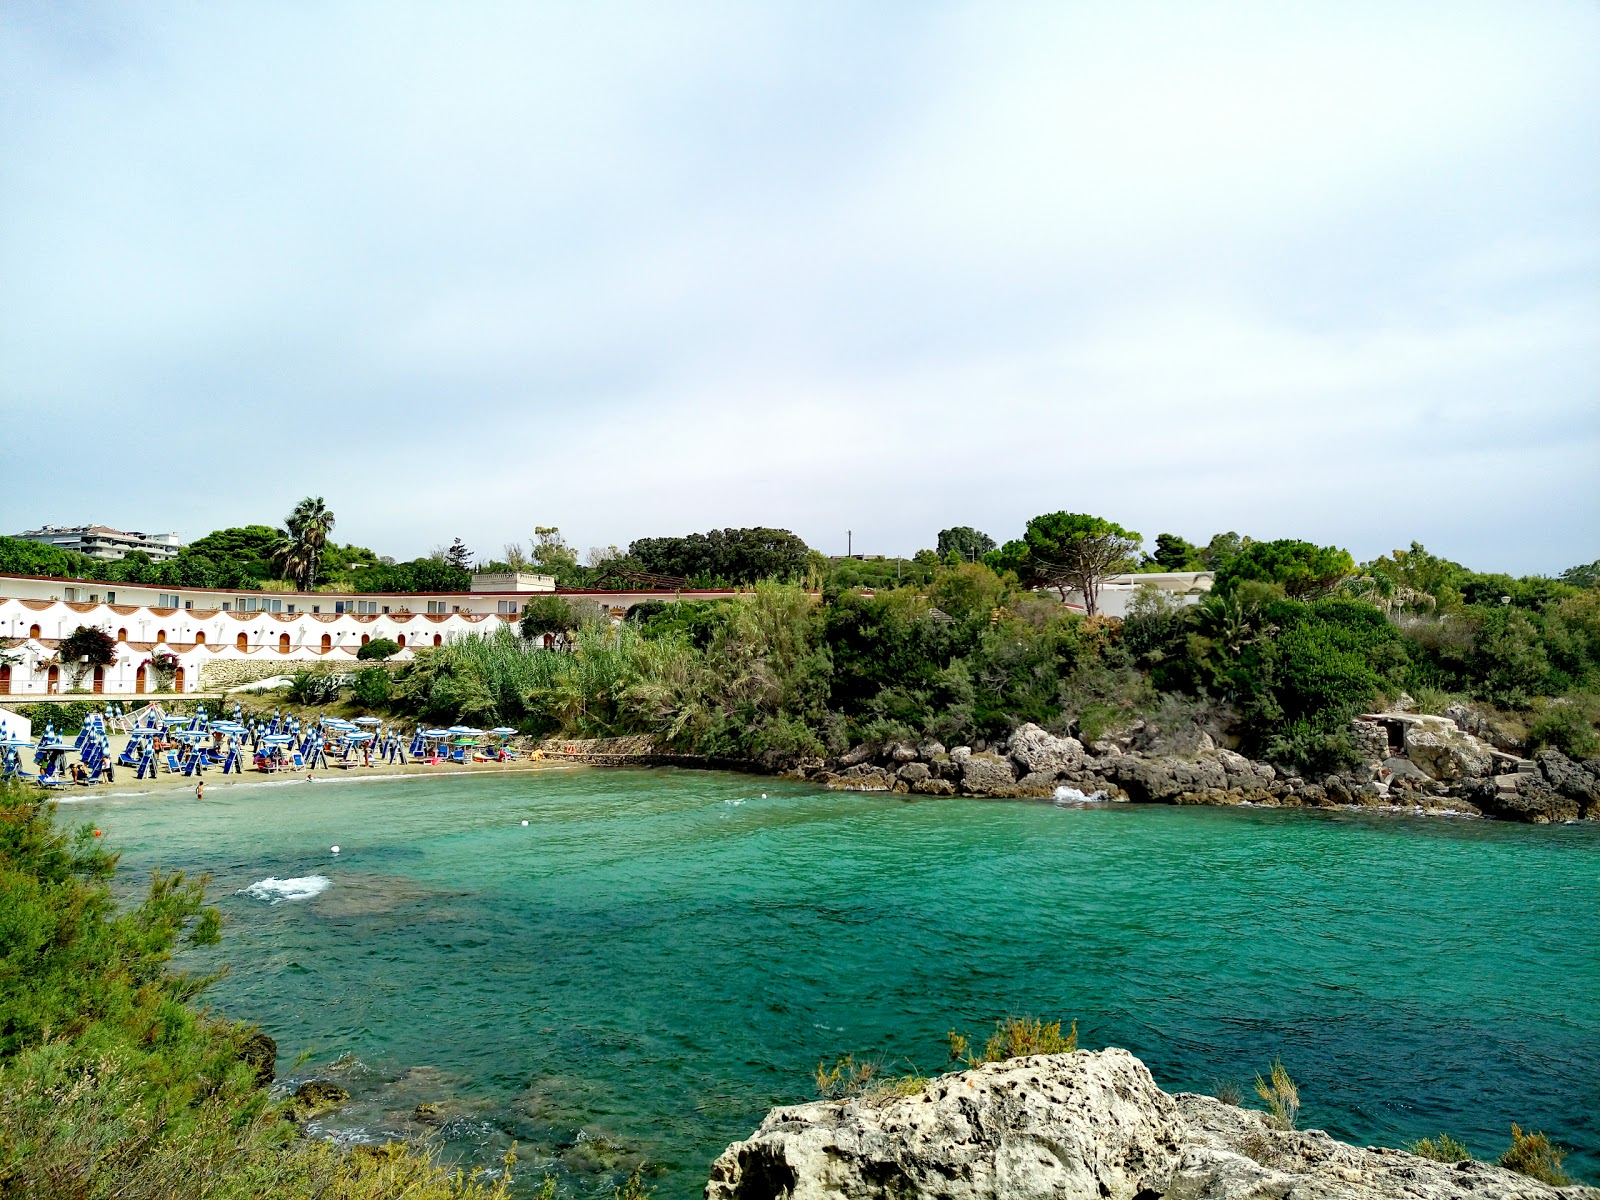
[1071, 795]
[276, 891]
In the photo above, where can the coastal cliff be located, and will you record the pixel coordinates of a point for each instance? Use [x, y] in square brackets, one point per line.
[1089, 1125]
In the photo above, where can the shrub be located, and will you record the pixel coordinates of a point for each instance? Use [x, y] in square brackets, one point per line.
[378, 649]
[1568, 723]
[1443, 1148]
[865, 1080]
[1016, 1037]
[1228, 1092]
[1536, 1156]
[312, 687]
[372, 687]
[1281, 1094]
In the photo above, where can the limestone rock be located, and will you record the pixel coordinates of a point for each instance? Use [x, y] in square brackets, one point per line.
[863, 777]
[1035, 750]
[1444, 752]
[902, 752]
[934, 787]
[856, 756]
[1083, 1126]
[315, 1097]
[1577, 781]
[929, 750]
[1048, 1126]
[914, 772]
[987, 775]
[261, 1052]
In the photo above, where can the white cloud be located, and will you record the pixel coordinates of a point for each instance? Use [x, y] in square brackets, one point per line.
[1323, 270]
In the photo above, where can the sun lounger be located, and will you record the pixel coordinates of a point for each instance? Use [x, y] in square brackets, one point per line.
[172, 763]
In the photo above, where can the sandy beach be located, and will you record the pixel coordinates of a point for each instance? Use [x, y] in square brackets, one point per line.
[126, 784]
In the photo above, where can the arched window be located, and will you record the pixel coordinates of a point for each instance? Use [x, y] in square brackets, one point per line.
[199, 637]
[327, 642]
[161, 635]
[365, 639]
[242, 641]
[5, 679]
[402, 641]
[177, 681]
[283, 643]
[122, 635]
[34, 631]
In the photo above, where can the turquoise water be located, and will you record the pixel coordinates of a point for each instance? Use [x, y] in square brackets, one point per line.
[659, 956]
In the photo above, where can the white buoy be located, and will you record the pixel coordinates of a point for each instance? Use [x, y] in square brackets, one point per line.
[763, 795]
[336, 849]
[524, 822]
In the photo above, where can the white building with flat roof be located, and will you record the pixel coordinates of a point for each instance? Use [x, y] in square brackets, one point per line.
[101, 541]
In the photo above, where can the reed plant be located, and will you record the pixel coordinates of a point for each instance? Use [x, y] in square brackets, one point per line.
[1533, 1154]
[1443, 1148]
[1281, 1094]
[1015, 1037]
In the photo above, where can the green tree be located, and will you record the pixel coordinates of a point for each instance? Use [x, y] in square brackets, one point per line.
[1174, 554]
[965, 542]
[735, 556]
[1587, 575]
[1074, 550]
[299, 545]
[548, 613]
[1303, 570]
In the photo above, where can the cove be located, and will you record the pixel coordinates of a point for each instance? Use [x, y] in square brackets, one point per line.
[659, 956]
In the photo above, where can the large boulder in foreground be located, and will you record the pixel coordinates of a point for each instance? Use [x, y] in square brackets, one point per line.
[1084, 1126]
[1091, 1125]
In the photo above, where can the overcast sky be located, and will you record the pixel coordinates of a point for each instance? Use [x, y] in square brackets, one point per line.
[1325, 271]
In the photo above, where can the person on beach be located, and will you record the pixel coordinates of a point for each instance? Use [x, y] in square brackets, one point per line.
[200, 790]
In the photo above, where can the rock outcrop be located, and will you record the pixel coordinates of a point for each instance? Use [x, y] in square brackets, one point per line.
[1407, 760]
[1083, 1126]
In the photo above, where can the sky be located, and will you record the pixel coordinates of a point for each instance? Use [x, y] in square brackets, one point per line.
[1327, 271]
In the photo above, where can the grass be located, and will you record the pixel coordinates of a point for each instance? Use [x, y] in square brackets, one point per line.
[1533, 1154]
[1228, 1092]
[1443, 1148]
[1015, 1037]
[865, 1079]
[1281, 1095]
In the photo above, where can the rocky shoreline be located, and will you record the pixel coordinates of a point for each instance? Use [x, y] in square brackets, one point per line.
[1409, 761]
[1080, 1126]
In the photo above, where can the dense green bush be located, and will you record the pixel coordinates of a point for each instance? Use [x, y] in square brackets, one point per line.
[371, 689]
[378, 649]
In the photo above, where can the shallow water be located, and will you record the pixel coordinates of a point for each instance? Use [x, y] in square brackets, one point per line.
[659, 956]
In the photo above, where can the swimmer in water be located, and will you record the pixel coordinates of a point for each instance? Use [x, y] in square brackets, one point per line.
[200, 790]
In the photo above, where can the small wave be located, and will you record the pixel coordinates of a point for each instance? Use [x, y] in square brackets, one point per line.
[1071, 795]
[276, 891]
[733, 803]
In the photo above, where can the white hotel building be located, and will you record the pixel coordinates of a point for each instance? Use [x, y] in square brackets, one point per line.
[217, 639]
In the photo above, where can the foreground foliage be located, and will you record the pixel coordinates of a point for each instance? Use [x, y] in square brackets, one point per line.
[112, 1082]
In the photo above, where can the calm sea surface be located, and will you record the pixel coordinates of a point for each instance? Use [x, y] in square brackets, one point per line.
[657, 957]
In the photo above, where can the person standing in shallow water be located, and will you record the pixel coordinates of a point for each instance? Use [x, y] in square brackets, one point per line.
[200, 790]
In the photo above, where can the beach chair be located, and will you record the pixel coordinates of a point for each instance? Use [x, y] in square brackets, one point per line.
[299, 761]
[172, 763]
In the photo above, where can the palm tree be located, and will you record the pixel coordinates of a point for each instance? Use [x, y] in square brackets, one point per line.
[301, 542]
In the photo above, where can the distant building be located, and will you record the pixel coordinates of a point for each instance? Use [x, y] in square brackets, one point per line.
[1117, 592]
[101, 541]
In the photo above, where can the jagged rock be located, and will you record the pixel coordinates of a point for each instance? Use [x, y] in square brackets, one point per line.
[1063, 1126]
[960, 754]
[1483, 727]
[1036, 784]
[1530, 799]
[1084, 1126]
[1579, 782]
[987, 775]
[914, 773]
[1034, 750]
[261, 1052]
[317, 1096]
[1403, 768]
[929, 750]
[1445, 752]
[857, 756]
[863, 777]
[1157, 779]
[901, 752]
[934, 787]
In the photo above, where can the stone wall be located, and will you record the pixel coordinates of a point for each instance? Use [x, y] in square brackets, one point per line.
[223, 673]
